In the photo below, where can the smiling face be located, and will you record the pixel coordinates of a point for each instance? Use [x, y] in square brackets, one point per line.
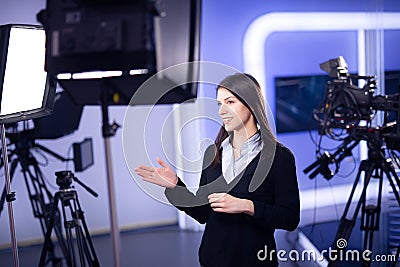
[234, 114]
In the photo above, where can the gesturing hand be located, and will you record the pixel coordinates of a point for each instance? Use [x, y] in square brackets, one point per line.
[223, 202]
[165, 176]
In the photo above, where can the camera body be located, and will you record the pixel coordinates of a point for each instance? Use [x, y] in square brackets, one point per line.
[345, 105]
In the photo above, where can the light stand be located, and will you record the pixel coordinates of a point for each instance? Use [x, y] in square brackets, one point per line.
[10, 196]
[101, 92]
[108, 132]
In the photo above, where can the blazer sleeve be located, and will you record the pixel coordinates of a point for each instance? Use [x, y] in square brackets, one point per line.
[194, 205]
[284, 213]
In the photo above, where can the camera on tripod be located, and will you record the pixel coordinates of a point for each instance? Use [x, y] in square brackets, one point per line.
[75, 222]
[346, 115]
[344, 108]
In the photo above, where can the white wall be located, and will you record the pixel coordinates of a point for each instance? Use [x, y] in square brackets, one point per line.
[134, 207]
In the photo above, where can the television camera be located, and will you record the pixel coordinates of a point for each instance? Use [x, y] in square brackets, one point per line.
[347, 114]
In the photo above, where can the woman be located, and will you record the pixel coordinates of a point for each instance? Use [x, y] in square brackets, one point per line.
[248, 185]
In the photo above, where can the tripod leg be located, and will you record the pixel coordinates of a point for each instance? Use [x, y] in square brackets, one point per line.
[82, 249]
[87, 241]
[395, 184]
[369, 225]
[45, 208]
[48, 245]
[41, 200]
[370, 214]
[347, 224]
[85, 246]
[68, 225]
[394, 180]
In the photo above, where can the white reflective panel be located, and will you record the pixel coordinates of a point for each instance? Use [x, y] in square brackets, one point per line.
[25, 79]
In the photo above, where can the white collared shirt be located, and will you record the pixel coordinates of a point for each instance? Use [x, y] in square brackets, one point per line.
[249, 150]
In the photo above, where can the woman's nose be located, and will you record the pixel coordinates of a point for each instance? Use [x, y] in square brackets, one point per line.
[222, 109]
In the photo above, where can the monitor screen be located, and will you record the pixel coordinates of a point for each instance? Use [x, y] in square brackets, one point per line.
[25, 90]
[295, 100]
[83, 154]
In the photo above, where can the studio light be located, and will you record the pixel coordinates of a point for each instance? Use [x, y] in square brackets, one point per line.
[26, 91]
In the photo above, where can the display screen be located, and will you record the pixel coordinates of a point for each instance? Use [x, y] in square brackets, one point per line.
[296, 98]
[83, 154]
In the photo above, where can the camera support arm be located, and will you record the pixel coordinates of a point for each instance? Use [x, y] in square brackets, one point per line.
[50, 152]
[321, 165]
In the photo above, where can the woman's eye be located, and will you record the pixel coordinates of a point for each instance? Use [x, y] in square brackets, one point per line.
[230, 102]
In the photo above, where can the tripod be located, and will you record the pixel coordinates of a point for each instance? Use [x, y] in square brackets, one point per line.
[39, 195]
[69, 200]
[375, 166]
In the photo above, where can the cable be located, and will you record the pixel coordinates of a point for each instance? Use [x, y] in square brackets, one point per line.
[68, 153]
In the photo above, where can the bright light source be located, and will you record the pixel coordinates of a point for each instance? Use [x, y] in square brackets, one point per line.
[24, 87]
[25, 78]
[138, 71]
[96, 74]
[64, 76]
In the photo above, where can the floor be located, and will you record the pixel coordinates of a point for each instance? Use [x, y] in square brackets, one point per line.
[166, 246]
[161, 246]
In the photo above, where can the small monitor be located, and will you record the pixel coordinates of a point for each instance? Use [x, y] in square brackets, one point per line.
[83, 154]
[26, 92]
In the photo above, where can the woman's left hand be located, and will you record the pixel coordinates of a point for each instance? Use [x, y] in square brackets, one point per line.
[223, 202]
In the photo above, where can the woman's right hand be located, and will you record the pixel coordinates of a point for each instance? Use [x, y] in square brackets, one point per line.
[164, 176]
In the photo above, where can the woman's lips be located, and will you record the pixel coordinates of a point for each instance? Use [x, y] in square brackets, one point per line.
[226, 120]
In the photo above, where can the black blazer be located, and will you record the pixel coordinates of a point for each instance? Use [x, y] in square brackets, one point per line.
[236, 239]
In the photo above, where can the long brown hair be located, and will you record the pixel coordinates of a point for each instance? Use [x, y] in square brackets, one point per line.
[246, 88]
